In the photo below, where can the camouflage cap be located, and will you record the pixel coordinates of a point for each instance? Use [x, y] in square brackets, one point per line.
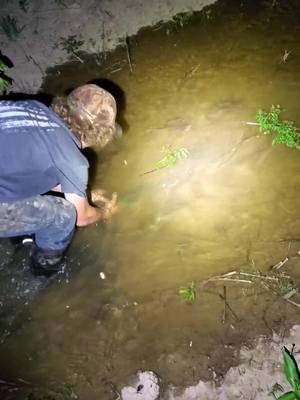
[94, 104]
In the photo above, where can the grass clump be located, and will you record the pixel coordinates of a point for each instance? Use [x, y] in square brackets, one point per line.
[285, 131]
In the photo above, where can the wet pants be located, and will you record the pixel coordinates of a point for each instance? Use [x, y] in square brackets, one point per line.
[50, 219]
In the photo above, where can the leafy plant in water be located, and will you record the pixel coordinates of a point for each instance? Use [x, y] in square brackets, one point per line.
[291, 372]
[188, 293]
[10, 28]
[171, 157]
[71, 45]
[182, 19]
[286, 132]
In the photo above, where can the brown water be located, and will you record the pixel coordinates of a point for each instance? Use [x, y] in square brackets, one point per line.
[233, 202]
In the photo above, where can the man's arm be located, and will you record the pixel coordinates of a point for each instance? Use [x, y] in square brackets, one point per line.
[87, 214]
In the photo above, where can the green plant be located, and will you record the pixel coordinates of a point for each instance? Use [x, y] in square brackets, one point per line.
[182, 19]
[286, 132]
[284, 285]
[189, 292]
[71, 45]
[4, 80]
[10, 28]
[171, 157]
[291, 372]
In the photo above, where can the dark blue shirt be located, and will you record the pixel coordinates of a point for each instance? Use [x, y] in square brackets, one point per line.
[37, 152]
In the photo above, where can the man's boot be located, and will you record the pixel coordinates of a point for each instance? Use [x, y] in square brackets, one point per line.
[45, 262]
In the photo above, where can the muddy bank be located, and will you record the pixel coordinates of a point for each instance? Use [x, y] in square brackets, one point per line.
[258, 376]
[37, 41]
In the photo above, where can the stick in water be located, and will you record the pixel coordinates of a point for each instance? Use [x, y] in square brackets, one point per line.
[128, 53]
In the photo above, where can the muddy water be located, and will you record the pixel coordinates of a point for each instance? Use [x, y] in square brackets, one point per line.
[231, 204]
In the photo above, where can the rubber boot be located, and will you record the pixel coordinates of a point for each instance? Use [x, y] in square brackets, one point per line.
[45, 262]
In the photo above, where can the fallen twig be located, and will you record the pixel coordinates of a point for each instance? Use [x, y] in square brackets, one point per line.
[259, 276]
[290, 294]
[127, 44]
[251, 123]
[192, 72]
[292, 302]
[281, 263]
[227, 305]
[224, 317]
[229, 280]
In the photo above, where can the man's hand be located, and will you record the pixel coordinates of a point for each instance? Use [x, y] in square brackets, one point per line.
[106, 205]
[87, 214]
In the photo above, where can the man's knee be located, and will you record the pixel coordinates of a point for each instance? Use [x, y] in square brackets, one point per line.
[65, 212]
[59, 232]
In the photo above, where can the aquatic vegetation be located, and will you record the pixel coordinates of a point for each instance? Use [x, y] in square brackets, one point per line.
[170, 158]
[291, 372]
[4, 80]
[188, 293]
[10, 28]
[285, 131]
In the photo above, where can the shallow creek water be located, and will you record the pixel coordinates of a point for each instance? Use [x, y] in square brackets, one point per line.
[232, 204]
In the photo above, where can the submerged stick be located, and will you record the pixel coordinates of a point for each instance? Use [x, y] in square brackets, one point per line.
[77, 57]
[228, 305]
[128, 53]
[149, 172]
[281, 263]
[224, 318]
[251, 123]
[291, 302]
[259, 276]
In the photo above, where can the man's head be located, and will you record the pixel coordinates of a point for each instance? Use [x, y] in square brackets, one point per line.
[90, 112]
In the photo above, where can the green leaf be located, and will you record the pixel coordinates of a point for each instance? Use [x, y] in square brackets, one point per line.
[188, 293]
[288, 396]
[171, 157]
[285, 131]
[291, 369]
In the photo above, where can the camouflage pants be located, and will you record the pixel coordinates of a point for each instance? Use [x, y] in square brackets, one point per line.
[50, 219]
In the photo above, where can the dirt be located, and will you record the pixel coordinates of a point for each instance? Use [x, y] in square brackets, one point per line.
[100, 26]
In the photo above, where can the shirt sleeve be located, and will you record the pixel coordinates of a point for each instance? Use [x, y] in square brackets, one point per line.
[70, 163]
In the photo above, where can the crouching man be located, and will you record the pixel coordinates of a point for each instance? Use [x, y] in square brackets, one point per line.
[40, 152]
